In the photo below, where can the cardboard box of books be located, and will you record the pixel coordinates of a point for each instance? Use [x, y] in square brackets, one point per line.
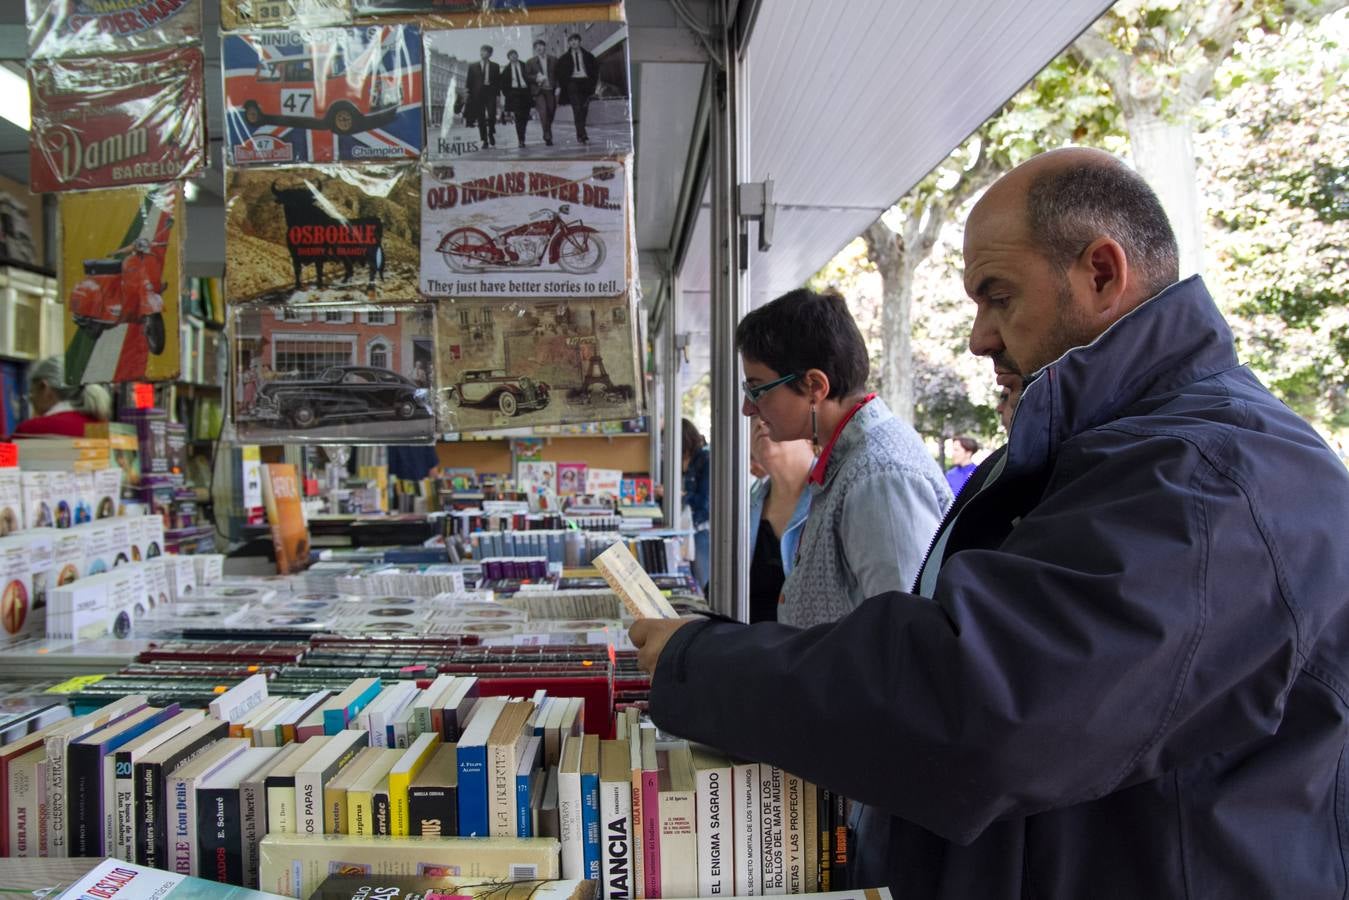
[182, 574]
[98, 606]
[294, 865]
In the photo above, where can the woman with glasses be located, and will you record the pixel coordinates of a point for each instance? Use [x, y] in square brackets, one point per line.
[877, 496]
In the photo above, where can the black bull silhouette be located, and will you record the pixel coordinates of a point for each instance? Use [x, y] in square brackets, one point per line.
[314, 236]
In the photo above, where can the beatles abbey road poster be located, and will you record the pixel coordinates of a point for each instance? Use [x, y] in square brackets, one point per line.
[323, 95]
[299, 234]
[527, 229]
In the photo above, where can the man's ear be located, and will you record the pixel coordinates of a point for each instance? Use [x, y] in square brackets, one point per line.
[816, 384]
[1102, 276]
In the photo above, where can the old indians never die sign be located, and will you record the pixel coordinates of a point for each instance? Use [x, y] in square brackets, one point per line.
[527, 229]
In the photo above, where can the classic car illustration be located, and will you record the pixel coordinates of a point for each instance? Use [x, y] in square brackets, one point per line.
[493, 387]
[286, 92]
[342, 393]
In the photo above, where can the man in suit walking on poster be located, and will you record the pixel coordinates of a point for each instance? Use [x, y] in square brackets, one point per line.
[484, 83]
[518, 99]
[542, 73]
[578, 73]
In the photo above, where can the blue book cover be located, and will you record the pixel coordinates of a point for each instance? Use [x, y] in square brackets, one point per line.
[590, 822]
[526, 784]
[336, 720]
[473, 790]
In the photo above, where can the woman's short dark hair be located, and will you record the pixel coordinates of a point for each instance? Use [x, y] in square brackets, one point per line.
[691, 439]
[807, 329]
[969, 443]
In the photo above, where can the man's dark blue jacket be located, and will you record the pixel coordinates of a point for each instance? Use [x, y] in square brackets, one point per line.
[1132, 676]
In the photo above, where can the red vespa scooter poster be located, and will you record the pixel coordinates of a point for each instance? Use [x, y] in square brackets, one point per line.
[121, 253]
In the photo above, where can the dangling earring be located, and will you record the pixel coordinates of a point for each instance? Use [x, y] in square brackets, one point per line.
[814, 430]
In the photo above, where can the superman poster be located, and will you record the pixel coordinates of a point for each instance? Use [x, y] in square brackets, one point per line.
[96, 27]
[323, 95]
[121, 279]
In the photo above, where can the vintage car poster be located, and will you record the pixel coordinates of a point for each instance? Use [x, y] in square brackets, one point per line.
[323, 95]
[537, 229]
[325, 234]
[237, 14]
[536, 362]
[361, 374]
[121, 281]
[528, 91]
[116, 121]
[96, 27]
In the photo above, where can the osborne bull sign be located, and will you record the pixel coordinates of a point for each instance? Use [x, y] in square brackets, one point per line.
[299, 234]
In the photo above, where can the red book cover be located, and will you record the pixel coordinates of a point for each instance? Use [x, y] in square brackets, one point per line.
[598, 694]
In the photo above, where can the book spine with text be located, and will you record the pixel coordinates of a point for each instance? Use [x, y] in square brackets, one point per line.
[748, 843]
[793, 842]
[590, 822]
[433, 811]
[570, 824]
[715, 853]
[616, 838]
[219, 837]
[473, 810]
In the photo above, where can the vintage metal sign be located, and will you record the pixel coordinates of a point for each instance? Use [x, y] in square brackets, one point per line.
[111, 122]
[323, 95]
[540, 229]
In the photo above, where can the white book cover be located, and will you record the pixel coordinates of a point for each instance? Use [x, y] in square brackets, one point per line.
[794, 830]
[571, 831]
[127, 881]
[716, 832]
[235, 704]
[678, 843]
[616, 838]
[770, 809]
[748, 844]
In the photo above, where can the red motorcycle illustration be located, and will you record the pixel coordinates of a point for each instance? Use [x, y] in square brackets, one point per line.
[571, 245]
[119, 291]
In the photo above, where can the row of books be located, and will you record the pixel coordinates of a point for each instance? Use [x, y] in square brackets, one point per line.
[658, 552]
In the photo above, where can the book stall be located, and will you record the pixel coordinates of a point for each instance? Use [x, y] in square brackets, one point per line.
[336, 605]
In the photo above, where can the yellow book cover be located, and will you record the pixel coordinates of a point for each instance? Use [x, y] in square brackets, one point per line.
[361, 794]
[121, 279]
[414, 759]
[285, 515]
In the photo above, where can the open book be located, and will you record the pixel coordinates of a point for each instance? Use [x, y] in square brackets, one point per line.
[633, 586]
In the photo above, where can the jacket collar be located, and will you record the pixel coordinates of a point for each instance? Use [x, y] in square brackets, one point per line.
[871, 414]
[1171, 340]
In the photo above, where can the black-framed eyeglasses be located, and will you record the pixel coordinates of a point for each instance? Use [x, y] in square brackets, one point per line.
[754, 392]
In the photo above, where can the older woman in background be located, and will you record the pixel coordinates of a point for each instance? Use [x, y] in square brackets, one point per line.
[60, 409]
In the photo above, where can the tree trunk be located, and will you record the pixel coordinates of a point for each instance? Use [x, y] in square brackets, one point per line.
[896, 337]
[1163, 152]
[889, 254]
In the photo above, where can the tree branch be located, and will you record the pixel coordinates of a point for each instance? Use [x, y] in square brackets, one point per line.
[1104, 58]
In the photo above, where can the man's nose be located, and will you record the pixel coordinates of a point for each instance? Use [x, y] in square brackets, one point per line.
[984, 337]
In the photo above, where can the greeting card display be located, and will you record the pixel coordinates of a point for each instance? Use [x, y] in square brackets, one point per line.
[236, 14]
[323, 95]
[327, 234]
[558, 91]
[536, 362]
[524, 229]
[121, 253]
[124, 120]
[361, 374]
[96, 27]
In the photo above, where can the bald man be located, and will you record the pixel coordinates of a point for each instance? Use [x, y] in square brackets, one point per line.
[1124, 669]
